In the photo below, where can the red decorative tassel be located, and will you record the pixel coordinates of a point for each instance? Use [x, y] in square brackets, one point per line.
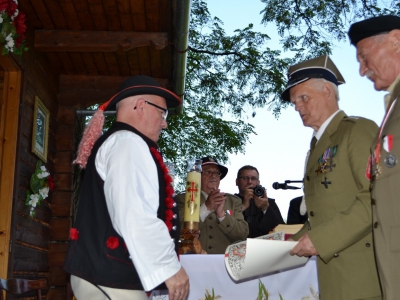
[73, 234]
[112, 242]
[90, 136]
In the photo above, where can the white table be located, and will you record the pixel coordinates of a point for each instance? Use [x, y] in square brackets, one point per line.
[208, 271]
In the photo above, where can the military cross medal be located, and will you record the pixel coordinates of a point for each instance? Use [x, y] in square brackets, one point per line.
[326, 182]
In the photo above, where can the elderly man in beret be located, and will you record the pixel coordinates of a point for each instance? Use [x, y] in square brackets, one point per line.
[378, 51]
[336, 190]
[221, 218]
[125, 239]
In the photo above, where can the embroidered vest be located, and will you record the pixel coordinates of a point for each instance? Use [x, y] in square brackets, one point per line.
[99, 255]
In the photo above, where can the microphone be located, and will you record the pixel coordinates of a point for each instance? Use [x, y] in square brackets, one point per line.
[284, 186]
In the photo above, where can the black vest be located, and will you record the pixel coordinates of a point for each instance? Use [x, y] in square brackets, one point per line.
[89, 257]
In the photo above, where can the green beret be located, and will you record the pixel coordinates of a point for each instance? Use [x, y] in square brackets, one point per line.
[373, 26]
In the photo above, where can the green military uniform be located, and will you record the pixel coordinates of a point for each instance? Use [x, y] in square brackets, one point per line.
[216, 236]
[338, 203]
[386, 200]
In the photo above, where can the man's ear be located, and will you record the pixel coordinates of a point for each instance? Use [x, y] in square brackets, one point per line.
[140, 105]
[330, 94]
[237, 182]
[394, 39]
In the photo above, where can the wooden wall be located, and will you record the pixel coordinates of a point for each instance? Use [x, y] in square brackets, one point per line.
[34, 242]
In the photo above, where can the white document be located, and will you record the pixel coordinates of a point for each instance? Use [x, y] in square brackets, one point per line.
[260, 256]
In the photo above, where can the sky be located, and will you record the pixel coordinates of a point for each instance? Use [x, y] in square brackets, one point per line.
[279, 149]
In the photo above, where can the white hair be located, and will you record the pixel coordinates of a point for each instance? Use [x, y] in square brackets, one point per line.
[322, 81]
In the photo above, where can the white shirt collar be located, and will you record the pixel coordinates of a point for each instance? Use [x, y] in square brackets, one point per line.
[321, 130]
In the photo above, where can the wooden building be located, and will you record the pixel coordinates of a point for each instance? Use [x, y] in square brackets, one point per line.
[79, 53]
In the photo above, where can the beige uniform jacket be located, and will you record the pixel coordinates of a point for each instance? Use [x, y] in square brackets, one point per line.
[215, 236]
[339, 209]
[386, 205]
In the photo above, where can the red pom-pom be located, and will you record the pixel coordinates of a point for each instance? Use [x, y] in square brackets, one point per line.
[169, 215]
[169, 191]
[169, 225]
[168, 179]
[73, 234]
[112, 242]
[169, 202]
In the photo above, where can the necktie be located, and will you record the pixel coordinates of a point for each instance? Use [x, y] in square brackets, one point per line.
[313, 142]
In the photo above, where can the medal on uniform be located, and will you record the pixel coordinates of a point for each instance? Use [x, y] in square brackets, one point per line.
[376, 168]
[390, 160]
[325, 162]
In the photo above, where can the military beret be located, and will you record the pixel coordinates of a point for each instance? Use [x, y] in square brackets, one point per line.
[373, 26]
[321, 67]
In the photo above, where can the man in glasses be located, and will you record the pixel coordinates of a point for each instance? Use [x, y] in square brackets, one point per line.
[125, 238]
[221, 218]
[261, 213]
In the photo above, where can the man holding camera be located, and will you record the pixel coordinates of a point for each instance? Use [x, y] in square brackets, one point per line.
[260, 212]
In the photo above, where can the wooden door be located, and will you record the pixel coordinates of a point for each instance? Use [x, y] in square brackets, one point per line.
[9, 111]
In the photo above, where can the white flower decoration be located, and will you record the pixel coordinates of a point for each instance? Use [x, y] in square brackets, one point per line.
[44, 192]
[34, 200]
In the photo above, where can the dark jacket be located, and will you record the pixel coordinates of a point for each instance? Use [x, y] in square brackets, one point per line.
[260, 223]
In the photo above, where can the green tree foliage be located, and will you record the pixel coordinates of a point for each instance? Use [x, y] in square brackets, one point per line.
[230, 76]
[226, 76]
[310, 27]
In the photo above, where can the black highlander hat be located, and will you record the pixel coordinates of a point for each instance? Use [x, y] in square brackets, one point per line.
[142, 85]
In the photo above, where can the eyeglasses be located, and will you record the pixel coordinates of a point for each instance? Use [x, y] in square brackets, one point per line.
[210, 173]
[247, 178]
[164, 113]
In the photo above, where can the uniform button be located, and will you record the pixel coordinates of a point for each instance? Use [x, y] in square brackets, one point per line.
[312, 214]
[372, 201]
[173, 227]
[308, 178]
[336, 255]
[210, 227]
[228, 225]
[173, 240]
[175, 216]
[210, 218]
[210, 237]
[209, 247]
[370, 187]
[368, 245]
[376, 225]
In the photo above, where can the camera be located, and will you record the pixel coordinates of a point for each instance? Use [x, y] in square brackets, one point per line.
[258, 190]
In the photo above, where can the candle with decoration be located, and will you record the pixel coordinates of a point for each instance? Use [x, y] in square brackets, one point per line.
[190, 243]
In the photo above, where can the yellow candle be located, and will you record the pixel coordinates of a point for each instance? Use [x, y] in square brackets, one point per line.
[192, 197]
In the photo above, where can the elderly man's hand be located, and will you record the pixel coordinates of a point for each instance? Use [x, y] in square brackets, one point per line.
[216, 201]
[305, 247]
[178, 285]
